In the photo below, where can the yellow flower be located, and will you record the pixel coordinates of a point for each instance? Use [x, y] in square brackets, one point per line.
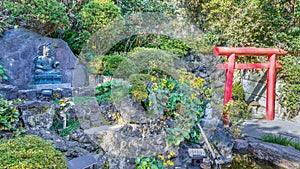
[161, 157]
[171, 86]
[171, 163]
[165, 164]
[153, 64]
[150, 104]
[163, 83]
[172, 153]
[155, 87]
[154, 153]
[181, 80]
[194, 95]
[93, 47]
[153, 79]
[169, 156]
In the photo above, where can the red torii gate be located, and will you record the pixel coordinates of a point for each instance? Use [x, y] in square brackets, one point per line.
[230, 65]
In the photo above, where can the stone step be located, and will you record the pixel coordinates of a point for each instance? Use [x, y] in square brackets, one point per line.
[86, 161]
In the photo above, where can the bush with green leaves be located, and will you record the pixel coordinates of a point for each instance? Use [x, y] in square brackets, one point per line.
[175, 46]
[134, 6]
[159, 161]
[238, 92]
[289, 92]
[112, 91]
[75, 38]
[29, 151]
[237, 111]
[97, 13]
[147, 61]
[71, 126]
[183, 100]
[105, 65]
[40, 16]
[103, 92]
[139, 82]
[9, 115]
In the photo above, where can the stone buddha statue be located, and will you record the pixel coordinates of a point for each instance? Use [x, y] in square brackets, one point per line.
[45, 62]
[45, 66]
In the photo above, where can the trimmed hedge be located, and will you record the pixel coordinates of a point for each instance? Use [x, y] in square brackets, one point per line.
[29, 151]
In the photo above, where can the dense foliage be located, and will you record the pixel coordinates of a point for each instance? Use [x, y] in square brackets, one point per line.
[9, 115]
[159, 161]
[237, 109]
[96, 14]
[105, 65]
[183, 99]
[134, 6]
[269, 23]
[41, 16]
[30, 151]
[289, 92]
[176, 46]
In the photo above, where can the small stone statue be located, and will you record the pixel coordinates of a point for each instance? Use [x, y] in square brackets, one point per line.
[45, 62]
[45, 66]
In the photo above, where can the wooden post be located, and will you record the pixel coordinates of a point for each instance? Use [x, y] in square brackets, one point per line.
[271, 80]
[228, 85]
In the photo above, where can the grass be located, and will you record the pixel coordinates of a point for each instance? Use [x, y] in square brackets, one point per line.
[281, 140]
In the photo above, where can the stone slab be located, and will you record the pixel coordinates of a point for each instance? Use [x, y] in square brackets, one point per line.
[51, 86]
[86, 161]
[258, 128]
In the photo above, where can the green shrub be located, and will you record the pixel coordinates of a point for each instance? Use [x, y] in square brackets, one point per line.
[112, 91]
[97, 13]
[6, 12]
[103, 92]
[183, 100]
[139, 82]
[133, 6]
[75, 38]
[159, 161]
[238, 111]
[30, 151]
[238, 92]
[105, 65]
[41, 16]
[166, 43]
[71, 126]
[289, 92]
[9, 115]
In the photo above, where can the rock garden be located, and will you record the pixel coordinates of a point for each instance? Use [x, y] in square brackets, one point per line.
[135, 85]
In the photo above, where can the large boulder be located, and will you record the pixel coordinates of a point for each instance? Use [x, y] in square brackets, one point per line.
[19, 47]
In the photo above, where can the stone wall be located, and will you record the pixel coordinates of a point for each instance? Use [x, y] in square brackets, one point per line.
[254, 84]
